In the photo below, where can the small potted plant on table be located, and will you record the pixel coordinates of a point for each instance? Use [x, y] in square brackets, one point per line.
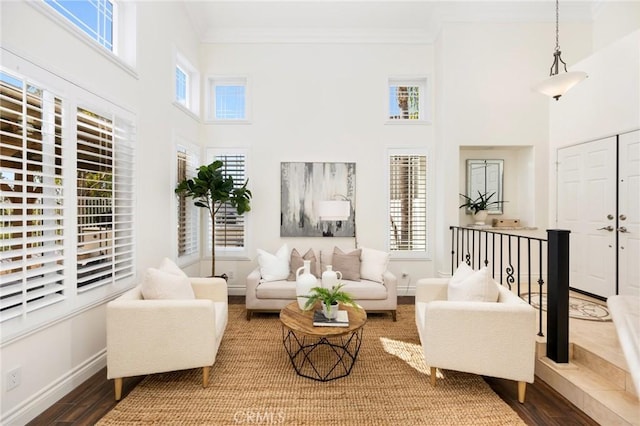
[330, 297]
[480, 206]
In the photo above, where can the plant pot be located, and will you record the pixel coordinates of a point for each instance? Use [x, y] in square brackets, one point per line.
[330, 312]
[480, 217]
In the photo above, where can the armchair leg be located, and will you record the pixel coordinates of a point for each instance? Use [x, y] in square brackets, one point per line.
[249, 314]
[522, 388]
[205, 376]
[433, 376]
[393, 315]
[118, 388]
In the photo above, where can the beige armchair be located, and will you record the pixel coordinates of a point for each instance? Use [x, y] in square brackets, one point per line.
[153, 336]
[489, 338]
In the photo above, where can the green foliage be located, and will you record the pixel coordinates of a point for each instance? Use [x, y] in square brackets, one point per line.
[329, 297]
[211, 189]
[481, 203]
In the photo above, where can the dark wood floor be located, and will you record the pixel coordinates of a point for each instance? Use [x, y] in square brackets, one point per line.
[86, 404]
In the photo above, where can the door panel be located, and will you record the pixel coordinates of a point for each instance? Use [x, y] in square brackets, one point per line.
[629, 214]
[586, 206]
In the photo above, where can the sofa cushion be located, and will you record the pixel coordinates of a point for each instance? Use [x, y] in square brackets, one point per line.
[469, 285]
[364, 290]
[274, 267]
[276, 290]
[158, 284]
[296, 261]
[347, 263]
[374, 264]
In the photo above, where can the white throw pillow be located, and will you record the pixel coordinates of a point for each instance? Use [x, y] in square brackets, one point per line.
[167, 265]
[374, 264]
[274, 267]
[468, 285]
[158, 284]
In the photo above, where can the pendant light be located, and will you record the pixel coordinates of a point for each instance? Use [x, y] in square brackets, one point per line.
[559, 83]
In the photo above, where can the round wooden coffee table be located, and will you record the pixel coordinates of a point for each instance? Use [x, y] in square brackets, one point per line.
[321, 353]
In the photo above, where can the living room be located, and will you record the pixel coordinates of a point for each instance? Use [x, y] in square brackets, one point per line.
[317, 80]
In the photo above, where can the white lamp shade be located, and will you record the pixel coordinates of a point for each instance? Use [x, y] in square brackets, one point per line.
[334, 210]
[559, 84]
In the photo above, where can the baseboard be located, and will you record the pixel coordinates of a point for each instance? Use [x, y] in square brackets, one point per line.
[49, 395]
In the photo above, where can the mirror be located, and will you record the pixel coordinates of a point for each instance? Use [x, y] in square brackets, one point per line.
[485, 176]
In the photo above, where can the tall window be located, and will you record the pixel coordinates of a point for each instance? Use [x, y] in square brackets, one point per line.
[228, 99]
[104, 197]
[94, 17]
[182, 85]
[408, 202]
[230, 228]
[186, 163]
[67, 226]
[33, 233]
[407, 99]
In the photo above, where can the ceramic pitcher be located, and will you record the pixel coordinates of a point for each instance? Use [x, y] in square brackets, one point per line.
[305, 281]
[330, 277]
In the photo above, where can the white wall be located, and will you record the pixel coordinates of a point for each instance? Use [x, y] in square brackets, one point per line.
[316, 102]
[57, 358]
[485, 99]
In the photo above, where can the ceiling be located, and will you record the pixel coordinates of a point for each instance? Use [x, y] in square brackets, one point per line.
[244, 20]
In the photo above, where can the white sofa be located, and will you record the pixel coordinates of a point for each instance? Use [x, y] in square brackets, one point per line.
[489, 338]
[153, 336]
[272, 296]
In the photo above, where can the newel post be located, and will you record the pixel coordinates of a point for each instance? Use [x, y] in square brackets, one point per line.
[558, 295]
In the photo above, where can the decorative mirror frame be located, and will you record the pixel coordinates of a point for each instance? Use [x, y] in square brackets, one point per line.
[486, 176]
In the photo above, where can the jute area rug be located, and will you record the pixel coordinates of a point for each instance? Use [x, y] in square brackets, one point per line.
[253, 382]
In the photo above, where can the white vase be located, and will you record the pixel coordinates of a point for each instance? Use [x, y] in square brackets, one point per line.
[480, 217]
[305, 281]
[330, 312]
[330, 277]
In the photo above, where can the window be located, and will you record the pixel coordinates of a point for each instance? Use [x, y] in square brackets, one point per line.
[186, 84]
[33, 232]
[407, 100]
[230, 228]
[66, 174]
[228, 99]
[187, 212]
[94, 17]
[104, 200]
[408, 203]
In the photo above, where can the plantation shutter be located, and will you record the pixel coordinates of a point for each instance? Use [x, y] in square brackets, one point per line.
[187, 211]
[31, 260]
[105, 200]
[229, 226]
[408, 202]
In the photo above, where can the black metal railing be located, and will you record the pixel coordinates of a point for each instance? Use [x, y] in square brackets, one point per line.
[524, 262]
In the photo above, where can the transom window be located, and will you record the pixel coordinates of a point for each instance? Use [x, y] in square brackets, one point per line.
[94, 17]
[187, 85]
[228, 99]
[407, 202]
[407, 99]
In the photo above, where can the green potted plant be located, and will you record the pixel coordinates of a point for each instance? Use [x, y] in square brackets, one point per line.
[479, 206]
[330, 297]
[212, 189]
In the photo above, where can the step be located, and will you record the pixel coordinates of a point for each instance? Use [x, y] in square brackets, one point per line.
[600, 389]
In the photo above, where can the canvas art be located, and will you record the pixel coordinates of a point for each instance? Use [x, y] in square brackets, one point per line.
[304, 186]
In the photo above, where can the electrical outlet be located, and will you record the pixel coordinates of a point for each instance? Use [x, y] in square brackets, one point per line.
[231, 275]
[13, 378]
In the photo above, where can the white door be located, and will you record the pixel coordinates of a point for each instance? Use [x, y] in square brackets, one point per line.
[629, 214]
[587, 207]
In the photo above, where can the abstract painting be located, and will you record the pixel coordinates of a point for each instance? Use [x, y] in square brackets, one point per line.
[304, 186]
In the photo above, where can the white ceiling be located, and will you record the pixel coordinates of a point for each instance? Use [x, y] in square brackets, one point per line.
[229, 20]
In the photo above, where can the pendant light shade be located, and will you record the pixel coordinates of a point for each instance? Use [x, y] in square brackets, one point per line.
[559, 83]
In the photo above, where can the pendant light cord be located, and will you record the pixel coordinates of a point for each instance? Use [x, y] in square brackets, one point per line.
[557, 26]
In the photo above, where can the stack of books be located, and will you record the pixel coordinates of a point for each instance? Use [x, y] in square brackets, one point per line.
[342, 320]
